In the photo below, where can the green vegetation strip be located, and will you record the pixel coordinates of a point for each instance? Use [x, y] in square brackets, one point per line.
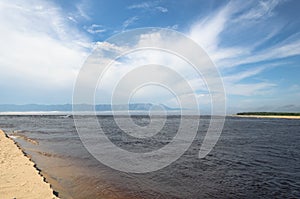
[269, 113]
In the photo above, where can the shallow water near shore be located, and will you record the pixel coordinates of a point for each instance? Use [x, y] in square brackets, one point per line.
[254, 158]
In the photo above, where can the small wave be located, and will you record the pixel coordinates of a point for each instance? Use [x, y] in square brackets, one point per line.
[18, 134]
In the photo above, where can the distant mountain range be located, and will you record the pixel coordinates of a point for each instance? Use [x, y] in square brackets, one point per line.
[80, 107]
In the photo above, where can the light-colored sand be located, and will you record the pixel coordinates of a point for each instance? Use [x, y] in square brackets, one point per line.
[269, 116]
[18, 176]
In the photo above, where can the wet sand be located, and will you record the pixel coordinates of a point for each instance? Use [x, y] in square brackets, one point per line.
[269, 116]
[18, 176]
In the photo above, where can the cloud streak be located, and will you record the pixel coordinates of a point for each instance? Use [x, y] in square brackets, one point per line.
[150, 6]
[129, 22]
[210, 32]
[95, 29]
[263, 9]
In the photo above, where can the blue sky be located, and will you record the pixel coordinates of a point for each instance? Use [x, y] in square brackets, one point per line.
[254, 44]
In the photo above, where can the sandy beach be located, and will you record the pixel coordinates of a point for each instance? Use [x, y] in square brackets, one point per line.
[18, 176]
[269, 116]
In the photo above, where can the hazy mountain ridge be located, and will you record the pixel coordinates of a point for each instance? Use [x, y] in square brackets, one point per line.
[80, 107]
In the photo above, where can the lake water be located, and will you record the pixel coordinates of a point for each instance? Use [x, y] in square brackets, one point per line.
[254, 158]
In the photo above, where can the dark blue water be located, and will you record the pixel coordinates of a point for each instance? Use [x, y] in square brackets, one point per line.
[254, 158]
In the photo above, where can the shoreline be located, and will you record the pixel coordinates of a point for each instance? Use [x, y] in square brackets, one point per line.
[268, 116]
[19, 176]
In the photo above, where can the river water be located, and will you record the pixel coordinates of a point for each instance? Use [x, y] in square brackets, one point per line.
[254, 158]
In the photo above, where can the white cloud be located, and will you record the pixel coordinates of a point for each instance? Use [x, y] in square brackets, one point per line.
[161, 9]
[207, 32]
[144, 57]
[263, 9]
[95, 29]
[37, 49]
[72, 19]
[143, 5]
[149, 6]
[275, 52]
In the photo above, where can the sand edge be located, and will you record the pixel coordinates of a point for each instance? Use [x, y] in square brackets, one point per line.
[19, 175]
[268, 116]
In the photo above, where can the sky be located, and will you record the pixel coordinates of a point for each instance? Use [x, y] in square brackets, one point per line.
[255, 46]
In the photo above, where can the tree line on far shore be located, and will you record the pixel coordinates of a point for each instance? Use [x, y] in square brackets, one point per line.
[269, 113]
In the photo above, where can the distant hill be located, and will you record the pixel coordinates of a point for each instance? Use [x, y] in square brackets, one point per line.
[79, 107]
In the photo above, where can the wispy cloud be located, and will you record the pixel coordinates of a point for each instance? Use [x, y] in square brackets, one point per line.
[208, 32]
[129, 22]
[72, 19]
[272, 53]
[82, 10]
[252, 89]
[238, 76]
[174, 27]
[149, 6]
[263, 9]
[95, 29]
[161, 9]
[143, 5]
